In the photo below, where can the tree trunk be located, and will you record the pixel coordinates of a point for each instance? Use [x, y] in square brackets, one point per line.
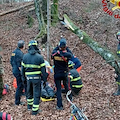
[1, 73]
[39, 14]
[54, 12]
[44, 10]
[110, 57]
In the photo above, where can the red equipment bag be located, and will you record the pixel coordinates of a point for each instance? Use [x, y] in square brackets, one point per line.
[5, 90]
[14, 83]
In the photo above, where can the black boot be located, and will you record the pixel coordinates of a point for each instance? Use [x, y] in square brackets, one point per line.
[118, 91]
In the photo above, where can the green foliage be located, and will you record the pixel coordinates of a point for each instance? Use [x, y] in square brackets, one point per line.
[30, 21]
[54, 12]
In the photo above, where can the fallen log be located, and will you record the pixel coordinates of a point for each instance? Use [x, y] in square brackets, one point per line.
[110, 57]
[16, 9]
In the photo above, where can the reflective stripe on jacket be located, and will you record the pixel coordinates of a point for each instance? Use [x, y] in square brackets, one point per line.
[35, 68]
[33, 65]
[118, 50]
[75, 79]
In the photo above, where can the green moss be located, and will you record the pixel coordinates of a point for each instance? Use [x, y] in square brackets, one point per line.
[30, 21]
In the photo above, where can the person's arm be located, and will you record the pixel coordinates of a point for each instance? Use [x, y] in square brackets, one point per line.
[55, 51]
[68, 50]
[23, 72]
[23, 76]
[19, 58]
[43, 70]
[12, 59]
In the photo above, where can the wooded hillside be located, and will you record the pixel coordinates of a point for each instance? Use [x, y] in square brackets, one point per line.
[98, 77]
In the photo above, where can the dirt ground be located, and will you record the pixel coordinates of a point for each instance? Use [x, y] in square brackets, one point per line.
[98, 77]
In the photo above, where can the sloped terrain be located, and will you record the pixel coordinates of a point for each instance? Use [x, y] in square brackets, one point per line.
[97, 76]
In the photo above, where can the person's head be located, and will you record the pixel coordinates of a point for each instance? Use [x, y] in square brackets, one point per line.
[118, 35]
[21, 44]
[33, 43]
[70, 64]
[62, 44]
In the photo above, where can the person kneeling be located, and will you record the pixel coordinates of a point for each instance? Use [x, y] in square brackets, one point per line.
[75, 81]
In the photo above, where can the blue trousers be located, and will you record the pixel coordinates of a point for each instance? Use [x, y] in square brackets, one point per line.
[19, 89]
[58, 78]
[34, 92]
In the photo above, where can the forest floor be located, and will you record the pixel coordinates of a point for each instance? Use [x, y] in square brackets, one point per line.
[97, 76]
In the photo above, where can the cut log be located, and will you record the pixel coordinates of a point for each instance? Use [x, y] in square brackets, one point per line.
[16, 9]
[110, 57]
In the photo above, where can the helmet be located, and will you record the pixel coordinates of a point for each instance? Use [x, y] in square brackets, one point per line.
[62, 42]
[33, 42]
[21, 43]
[70, 63]
[118, 33]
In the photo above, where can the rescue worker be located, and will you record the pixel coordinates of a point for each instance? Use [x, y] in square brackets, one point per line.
[16, 59]
[61, 58]
[118, 47]
[33, 67]
[77, 63]
[75, 82]
[117, 76]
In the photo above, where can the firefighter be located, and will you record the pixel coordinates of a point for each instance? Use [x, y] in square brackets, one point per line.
[117, 76]
[75, 82]
[61, 58]
[118, 47]
[33, 68]
[77, 63]
[16, 59]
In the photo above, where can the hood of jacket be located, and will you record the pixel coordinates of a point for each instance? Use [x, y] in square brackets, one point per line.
[32, 50]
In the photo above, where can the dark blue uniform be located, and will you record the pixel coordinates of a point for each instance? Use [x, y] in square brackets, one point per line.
[33, 67]
[118, 50]
[60, 71]
[75, 81]
[118, 74]
[76, 61]
[16, 59]
[116, 71]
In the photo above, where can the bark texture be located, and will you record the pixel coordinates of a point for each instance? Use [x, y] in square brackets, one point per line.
[54, 12]
[110, 57]
[39, 14]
